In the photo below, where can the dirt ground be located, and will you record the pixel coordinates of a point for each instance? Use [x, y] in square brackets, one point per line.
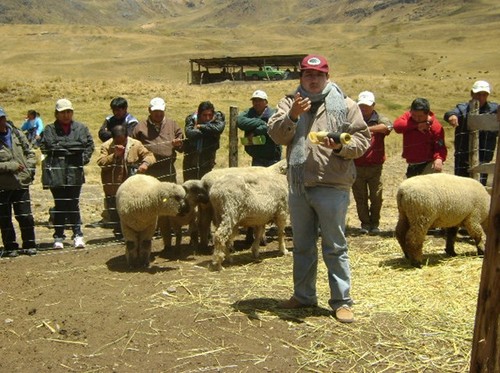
[85, 311]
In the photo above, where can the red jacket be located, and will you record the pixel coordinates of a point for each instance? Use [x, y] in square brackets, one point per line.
[421, 147]
[375, 154]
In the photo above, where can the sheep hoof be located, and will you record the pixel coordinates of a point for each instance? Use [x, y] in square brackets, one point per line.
[215, 267]
[450, 251]
[416, 263]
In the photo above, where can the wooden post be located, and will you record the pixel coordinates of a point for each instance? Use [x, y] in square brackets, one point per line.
[233, 137]
[485, 355]
[475, 123]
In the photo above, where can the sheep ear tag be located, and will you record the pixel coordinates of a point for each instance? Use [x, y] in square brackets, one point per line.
[165, 200]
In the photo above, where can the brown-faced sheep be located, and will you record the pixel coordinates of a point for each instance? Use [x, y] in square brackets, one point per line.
[440, 201]
[248, 200]
[168, 224]
[139, 202]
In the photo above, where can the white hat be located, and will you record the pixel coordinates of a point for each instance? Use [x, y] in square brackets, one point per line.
[64, 104]
[366, 98]
[259, 94]
[481, 86]
[157, 103]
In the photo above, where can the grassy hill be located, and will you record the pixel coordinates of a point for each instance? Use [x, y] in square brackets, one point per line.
[91, 51]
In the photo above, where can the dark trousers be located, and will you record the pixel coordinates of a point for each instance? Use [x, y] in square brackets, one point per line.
[264, 162]
[113, 216]
[67, 209]
[19, 201]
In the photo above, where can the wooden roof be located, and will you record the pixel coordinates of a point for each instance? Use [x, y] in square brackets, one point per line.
[227, 61]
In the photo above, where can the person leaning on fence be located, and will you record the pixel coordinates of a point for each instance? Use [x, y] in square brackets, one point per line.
[121, 116]
[17, 169]
[423, 139]
[457, 118]
[120, 157]
[163, 137]
[320, 176]
[67, 146]
[263, 150]
[258, 144]
[33, 128]
[367, 188]
[203, 130]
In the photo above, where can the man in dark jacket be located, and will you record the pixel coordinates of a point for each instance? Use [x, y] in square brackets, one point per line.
[263, 150]
[17, 168]
[121, 116]
[203, 130]
[458, 119]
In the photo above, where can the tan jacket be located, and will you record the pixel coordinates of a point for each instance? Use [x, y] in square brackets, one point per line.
[324, 166]
[114, 171]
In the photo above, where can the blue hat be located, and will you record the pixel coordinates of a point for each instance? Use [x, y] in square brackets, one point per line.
[2, 112]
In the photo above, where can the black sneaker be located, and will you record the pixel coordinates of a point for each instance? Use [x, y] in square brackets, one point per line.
[10, 253]
[30, 251]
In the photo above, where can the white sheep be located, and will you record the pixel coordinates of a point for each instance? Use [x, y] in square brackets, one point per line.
[440, 201]
[139, 202]
[200, 189]
[248, 200]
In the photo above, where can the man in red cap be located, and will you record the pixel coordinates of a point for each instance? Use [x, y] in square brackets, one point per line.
[320, 176]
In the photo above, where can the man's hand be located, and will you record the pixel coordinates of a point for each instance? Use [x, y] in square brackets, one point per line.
[177, 143]
[453, 120]
[143, 167]
[438, 165]
[119, 151]
[300, 105]
[330, 143]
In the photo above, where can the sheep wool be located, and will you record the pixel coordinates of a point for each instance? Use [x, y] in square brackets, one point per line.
[247, 200]
[440, 201]
[140, 200]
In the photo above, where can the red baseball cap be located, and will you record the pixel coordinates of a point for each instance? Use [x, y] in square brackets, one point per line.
[314, 62]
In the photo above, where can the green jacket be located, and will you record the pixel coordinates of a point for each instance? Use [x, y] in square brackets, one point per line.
[65, 155]
[255, 125]
[10, 158]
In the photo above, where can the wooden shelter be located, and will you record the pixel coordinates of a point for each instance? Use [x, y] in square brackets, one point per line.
[218, 69]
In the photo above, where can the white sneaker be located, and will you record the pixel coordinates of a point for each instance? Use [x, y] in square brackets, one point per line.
[58, 243]
[79, 243]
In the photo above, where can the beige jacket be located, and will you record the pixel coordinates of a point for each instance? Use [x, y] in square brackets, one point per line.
[114, 171]
[324, 166]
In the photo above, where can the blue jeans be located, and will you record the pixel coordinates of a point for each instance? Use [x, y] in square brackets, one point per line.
[326, 209]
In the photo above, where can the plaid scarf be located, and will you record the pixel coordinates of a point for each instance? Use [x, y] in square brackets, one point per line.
[336, 112]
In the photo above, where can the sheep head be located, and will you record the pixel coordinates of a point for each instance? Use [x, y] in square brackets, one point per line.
[172, 200]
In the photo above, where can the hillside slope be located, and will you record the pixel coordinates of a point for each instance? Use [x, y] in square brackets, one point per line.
[154, 39]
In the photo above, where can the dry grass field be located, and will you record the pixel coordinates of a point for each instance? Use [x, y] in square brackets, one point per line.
[84, 311]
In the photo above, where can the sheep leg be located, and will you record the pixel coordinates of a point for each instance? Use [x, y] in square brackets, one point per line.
[205, 216]
[401, 230]
[451, 236]
[281, 224]
[477, 234]
[144, 253]
[131, 253]
[414, 241]
[165, 226]
[258, 234]
[193, 235]
[222, 239]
